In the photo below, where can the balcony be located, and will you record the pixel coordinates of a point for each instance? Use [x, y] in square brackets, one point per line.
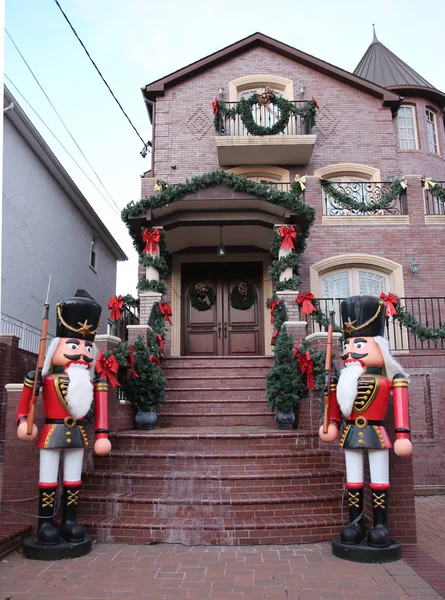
[294, 146]
[434, 206]
[368, 193]
[428, 311]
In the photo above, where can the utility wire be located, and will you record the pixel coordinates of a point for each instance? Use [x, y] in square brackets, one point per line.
[117, 211]
[60, 118]
[146, 144]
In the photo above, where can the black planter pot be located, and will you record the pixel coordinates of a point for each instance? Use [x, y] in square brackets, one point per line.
[285, 419]
[146, 418]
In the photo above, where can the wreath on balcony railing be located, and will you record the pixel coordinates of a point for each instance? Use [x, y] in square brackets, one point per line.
[398, 186]
[202, 296]
[286, 108]
[243, 295]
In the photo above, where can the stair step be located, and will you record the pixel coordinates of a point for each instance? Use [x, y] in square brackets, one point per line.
[216, 382]
[219, 362]
[267, 530]
[206, 419]
[222, 392]
[11, 537]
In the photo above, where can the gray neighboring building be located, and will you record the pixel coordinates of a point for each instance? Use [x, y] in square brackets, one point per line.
[49, 228]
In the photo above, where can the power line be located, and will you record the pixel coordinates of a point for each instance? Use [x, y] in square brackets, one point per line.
[146, 144]
[57, 139]
[60, 118]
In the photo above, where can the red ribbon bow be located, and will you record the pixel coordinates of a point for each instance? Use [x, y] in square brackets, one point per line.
[274, 337]
[215, 106]
[166, 311]
[160, 341]
[304, 300]
[272, 305]
[306, 366]
[130, 363]
[116, 304]
[154, 359]
[315, 102]
[390, 300]
[288, 234]
[296, 351]
[108, 367]
[151, 239]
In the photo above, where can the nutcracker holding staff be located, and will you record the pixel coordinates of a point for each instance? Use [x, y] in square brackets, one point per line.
[361, 397]
[68, 390]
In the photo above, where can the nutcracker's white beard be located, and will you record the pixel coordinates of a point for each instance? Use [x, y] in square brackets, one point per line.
[347, 386]
[79, 396]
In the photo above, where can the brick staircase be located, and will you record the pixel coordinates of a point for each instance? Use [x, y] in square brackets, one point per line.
[216, 471]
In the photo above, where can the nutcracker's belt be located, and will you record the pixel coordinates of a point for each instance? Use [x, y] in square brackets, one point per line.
[69, 422]
[361, 422]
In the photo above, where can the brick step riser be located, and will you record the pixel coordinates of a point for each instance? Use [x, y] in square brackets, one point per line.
[189, 487]
[198, 395]
[207, 444]
[204, 362]
[196, 383]
[196, 537]
[187, 407]
[216, 371]
[115, 508]
[149, 465]
[214, 420]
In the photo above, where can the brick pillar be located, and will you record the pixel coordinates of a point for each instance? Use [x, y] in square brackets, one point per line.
[294, 326]
[147, 301]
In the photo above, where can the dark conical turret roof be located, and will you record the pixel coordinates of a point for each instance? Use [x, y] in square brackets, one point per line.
[383, 67]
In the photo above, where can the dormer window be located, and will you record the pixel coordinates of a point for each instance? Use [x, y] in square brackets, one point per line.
[432, 131]
[407, 128]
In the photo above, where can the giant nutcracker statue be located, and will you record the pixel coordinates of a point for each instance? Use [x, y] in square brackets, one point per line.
[68, 389]
[361, 397]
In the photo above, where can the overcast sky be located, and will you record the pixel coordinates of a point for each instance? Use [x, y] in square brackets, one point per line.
[135, 42]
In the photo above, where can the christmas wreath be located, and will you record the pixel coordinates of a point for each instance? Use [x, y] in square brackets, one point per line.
[202, 296]
[243, 296]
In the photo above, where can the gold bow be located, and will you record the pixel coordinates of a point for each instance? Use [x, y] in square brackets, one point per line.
[158, 188]
[404, 183]
[301, 181]
[428, 183]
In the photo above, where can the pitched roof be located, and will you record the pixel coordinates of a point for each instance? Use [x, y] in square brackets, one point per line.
[156, 88]
[383, 67]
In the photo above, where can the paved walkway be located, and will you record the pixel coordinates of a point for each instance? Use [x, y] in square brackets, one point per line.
[175, 572]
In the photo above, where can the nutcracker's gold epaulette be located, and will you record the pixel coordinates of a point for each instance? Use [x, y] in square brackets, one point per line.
[101, 386]
[399, 381]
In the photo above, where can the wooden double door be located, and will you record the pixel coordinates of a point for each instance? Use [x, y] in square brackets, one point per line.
[212, 325]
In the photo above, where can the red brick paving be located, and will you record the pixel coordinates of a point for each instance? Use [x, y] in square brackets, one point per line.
[176, 572]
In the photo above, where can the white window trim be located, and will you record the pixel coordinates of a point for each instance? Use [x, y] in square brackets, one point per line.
[436, 131]
[416, 131]
[350, 170]
[280, 84]
[274, 174]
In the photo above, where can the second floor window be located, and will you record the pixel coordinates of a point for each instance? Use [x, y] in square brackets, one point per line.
[93, 253]
[407, 128]
[431, 130]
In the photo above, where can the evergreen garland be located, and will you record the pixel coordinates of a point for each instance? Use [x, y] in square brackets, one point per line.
[151, 285]
[244, 110]
[284, 385]
[240, 300]
[436, 190]
[398, 187]
[130, 301]
[421, 332]
[158, 261]
[199, 302]
[293, 283]
[291, 261]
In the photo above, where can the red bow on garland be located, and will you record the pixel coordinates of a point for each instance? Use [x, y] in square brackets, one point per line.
[108, 368]
[151, 239]
[215, 106]
[160, 342]
[315, 102]
[154, 359]
[274, 337]
[166, 311]
[304, 300]
[306, 366]
[390, 300]
[272, 305]
[116, 304]
[130, 363]
[288, 234]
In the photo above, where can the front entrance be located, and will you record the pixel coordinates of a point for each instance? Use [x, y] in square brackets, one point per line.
[220, 329]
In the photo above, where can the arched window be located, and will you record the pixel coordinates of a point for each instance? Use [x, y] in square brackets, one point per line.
[274, 176]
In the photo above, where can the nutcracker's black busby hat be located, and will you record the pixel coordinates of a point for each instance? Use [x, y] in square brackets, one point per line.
[363, 316]
[78, 318]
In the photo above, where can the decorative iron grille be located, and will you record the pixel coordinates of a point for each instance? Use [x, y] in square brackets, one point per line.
[434, 206]
[368, 192]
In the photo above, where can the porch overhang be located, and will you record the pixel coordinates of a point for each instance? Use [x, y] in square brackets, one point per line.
[263, 150]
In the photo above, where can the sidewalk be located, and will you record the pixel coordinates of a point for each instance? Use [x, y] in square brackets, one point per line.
[175, 572]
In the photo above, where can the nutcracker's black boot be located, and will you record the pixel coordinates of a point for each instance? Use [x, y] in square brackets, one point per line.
[70, 529]
[47, 534]
[378, 536]
[354, 532]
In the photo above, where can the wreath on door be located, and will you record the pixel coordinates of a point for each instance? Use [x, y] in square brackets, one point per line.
[202, 296]
[243, 295]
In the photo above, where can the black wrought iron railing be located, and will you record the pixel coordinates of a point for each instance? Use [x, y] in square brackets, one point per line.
[130, 316]
[427, 311]
[266, 116]
[368, 192]
[433, 205]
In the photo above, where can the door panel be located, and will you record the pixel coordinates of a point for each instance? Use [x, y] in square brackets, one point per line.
[221, 330]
